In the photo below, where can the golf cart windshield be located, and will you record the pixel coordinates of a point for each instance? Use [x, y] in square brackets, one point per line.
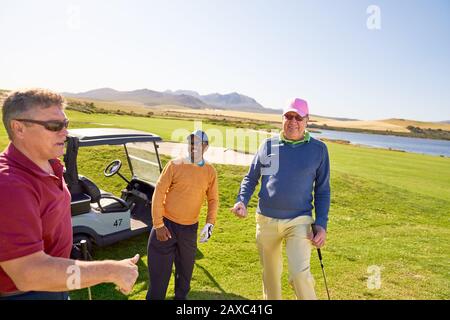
[144, 161]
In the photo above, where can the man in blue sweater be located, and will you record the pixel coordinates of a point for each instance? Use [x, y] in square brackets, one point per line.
[292, 167]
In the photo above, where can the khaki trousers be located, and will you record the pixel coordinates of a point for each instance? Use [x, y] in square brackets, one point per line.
[270, 234]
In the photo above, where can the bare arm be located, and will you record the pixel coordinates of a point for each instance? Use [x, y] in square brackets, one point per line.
[41, 272]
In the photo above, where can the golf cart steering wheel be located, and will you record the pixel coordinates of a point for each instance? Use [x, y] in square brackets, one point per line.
[112, 168]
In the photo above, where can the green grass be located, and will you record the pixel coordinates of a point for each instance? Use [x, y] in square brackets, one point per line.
[371, 223]
[171, 129]
[389, 209]
[422, 174]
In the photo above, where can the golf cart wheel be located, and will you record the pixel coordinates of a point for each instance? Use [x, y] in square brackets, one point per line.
[77, 253]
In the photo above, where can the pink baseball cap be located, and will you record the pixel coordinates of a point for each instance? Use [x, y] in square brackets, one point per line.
[298, 106]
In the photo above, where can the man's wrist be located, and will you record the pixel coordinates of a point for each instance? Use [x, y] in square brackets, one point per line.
[321, 223]
[97, 271]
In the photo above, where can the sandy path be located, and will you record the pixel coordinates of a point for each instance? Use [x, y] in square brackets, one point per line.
[214, 154]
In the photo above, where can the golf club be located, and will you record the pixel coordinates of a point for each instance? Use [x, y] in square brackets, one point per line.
[321, 263]
[84, 251]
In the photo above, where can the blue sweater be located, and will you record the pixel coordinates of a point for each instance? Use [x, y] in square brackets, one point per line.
[290, 173]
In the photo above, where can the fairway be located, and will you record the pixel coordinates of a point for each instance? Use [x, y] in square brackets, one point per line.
[395, 125]
[173, 129]
[389, 212]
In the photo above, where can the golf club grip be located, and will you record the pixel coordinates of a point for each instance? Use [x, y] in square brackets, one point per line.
[84, 249]
[319, 253]
[314, 229]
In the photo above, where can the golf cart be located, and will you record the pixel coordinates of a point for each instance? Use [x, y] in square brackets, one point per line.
[99, 217]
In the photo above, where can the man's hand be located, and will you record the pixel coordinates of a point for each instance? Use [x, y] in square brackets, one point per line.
[239, 209]
[206, 232]
[126, 274]
[163, 234]
[319, 236]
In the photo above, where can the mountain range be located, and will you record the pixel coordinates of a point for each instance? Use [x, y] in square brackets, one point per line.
[185, 98]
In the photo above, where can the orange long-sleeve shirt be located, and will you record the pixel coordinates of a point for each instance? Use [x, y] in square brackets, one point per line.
[181, 190]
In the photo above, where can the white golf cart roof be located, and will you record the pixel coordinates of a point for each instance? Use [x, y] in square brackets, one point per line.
[110, 136]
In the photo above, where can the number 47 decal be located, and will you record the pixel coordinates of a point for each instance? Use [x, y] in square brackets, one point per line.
[117, 223]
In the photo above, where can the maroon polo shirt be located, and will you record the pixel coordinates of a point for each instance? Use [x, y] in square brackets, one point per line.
[34, 211]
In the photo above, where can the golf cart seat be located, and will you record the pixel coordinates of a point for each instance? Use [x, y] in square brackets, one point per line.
[103, 202]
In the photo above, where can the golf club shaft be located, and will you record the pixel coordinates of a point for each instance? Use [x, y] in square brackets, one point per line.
[314, 230]
[323, 272]
[84, 251]
[320, 255]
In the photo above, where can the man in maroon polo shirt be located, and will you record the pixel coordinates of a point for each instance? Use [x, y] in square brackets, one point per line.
[35, 227]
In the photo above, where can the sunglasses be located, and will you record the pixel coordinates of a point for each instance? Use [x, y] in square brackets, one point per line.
[296, 117]
[51, 125]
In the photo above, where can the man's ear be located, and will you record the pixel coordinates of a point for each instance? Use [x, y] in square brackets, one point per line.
[18, 129]
[205, 147]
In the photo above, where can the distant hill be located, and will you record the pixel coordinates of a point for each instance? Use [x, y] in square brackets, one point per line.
[231, 101]
[194, 94]
[185, 98]
[228, 101]
[444, 125]
[145, 96]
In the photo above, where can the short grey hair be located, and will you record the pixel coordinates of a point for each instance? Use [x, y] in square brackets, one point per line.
[20, 102]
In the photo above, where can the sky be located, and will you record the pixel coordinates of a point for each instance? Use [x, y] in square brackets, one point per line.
[344, 57]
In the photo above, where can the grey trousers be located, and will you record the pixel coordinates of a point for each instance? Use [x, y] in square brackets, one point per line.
[38, 295]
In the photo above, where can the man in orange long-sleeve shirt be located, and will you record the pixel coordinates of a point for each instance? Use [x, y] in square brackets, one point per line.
[177, 200]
